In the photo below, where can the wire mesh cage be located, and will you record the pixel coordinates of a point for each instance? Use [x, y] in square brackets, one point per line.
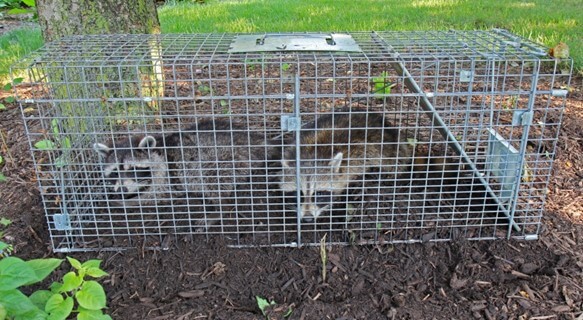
[280, 139]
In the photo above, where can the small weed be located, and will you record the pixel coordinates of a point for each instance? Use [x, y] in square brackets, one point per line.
[323, 256]
[285, 67]
[8, 87]
[264, 305]
[382, 85]
[510, 103]
[50, 144]
[2, 176]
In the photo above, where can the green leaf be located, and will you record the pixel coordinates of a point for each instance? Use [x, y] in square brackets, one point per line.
[30, 3]
[40, 298]
[7, 87]
[92, 268]
[71, 281]
[2, 106]
[262, 303]
[2, 177]
[17, 304]
[19, 80]
[14, 272]
[93, 263]
[91, 296]
[75, 263]
[96, 273]
[66, 143]
[45, 145]
[18, 11]
[56, 287]
[55, 127]
[59, 308]
[1, 160]
[10, 99]
[85, 314]
[5, 222]
[43, 267]
[60, 162]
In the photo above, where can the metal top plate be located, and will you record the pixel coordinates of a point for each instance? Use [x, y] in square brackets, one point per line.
[336, 42]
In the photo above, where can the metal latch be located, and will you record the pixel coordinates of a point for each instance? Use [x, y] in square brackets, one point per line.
[62, 222]
[290, 123]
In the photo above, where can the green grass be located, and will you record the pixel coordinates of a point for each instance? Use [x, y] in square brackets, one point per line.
[539, 20]
[16, 44]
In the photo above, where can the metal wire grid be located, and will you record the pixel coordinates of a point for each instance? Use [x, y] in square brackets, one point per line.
[482, 85]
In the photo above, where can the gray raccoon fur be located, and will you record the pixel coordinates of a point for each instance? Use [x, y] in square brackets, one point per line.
[338, 149]
[213, 160]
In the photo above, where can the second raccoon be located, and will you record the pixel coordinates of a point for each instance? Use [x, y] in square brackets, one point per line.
[336, 150]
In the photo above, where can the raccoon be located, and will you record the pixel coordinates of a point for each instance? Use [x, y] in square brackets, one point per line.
[338, 149]
[211, 161]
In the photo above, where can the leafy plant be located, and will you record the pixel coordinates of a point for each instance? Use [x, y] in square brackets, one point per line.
[75, 294]
[382, 85]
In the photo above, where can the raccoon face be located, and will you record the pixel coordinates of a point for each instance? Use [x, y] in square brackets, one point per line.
[130, 165]
[320, 181]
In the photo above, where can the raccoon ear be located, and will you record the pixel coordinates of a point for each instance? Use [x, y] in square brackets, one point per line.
[147, 142]
[102, 149]
[336, 162]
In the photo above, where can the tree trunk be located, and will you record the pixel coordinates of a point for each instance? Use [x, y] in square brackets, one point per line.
[59, 18]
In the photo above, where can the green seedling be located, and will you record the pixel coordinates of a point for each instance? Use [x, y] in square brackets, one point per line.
[285, 67]
[382, 85]
[2, 176]
[63, 143]
[8, 87]
[263, 304]
[323, 256]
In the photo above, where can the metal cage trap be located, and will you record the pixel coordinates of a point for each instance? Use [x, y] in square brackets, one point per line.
[280, 139]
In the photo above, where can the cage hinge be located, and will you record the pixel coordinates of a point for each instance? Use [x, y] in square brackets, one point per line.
[62, 222]
[290, 123]
[522, 118]
[503, 163]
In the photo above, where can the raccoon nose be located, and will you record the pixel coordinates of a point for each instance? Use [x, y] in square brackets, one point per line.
[308, 219]
[124, 189]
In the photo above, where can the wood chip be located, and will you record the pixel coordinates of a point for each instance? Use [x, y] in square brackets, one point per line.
[191, 294]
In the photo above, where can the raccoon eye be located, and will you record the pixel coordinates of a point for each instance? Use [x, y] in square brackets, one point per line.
[324, 197]
[141, 172]
[112, 175]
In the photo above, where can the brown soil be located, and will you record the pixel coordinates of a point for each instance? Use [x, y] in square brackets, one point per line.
[196, 279]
